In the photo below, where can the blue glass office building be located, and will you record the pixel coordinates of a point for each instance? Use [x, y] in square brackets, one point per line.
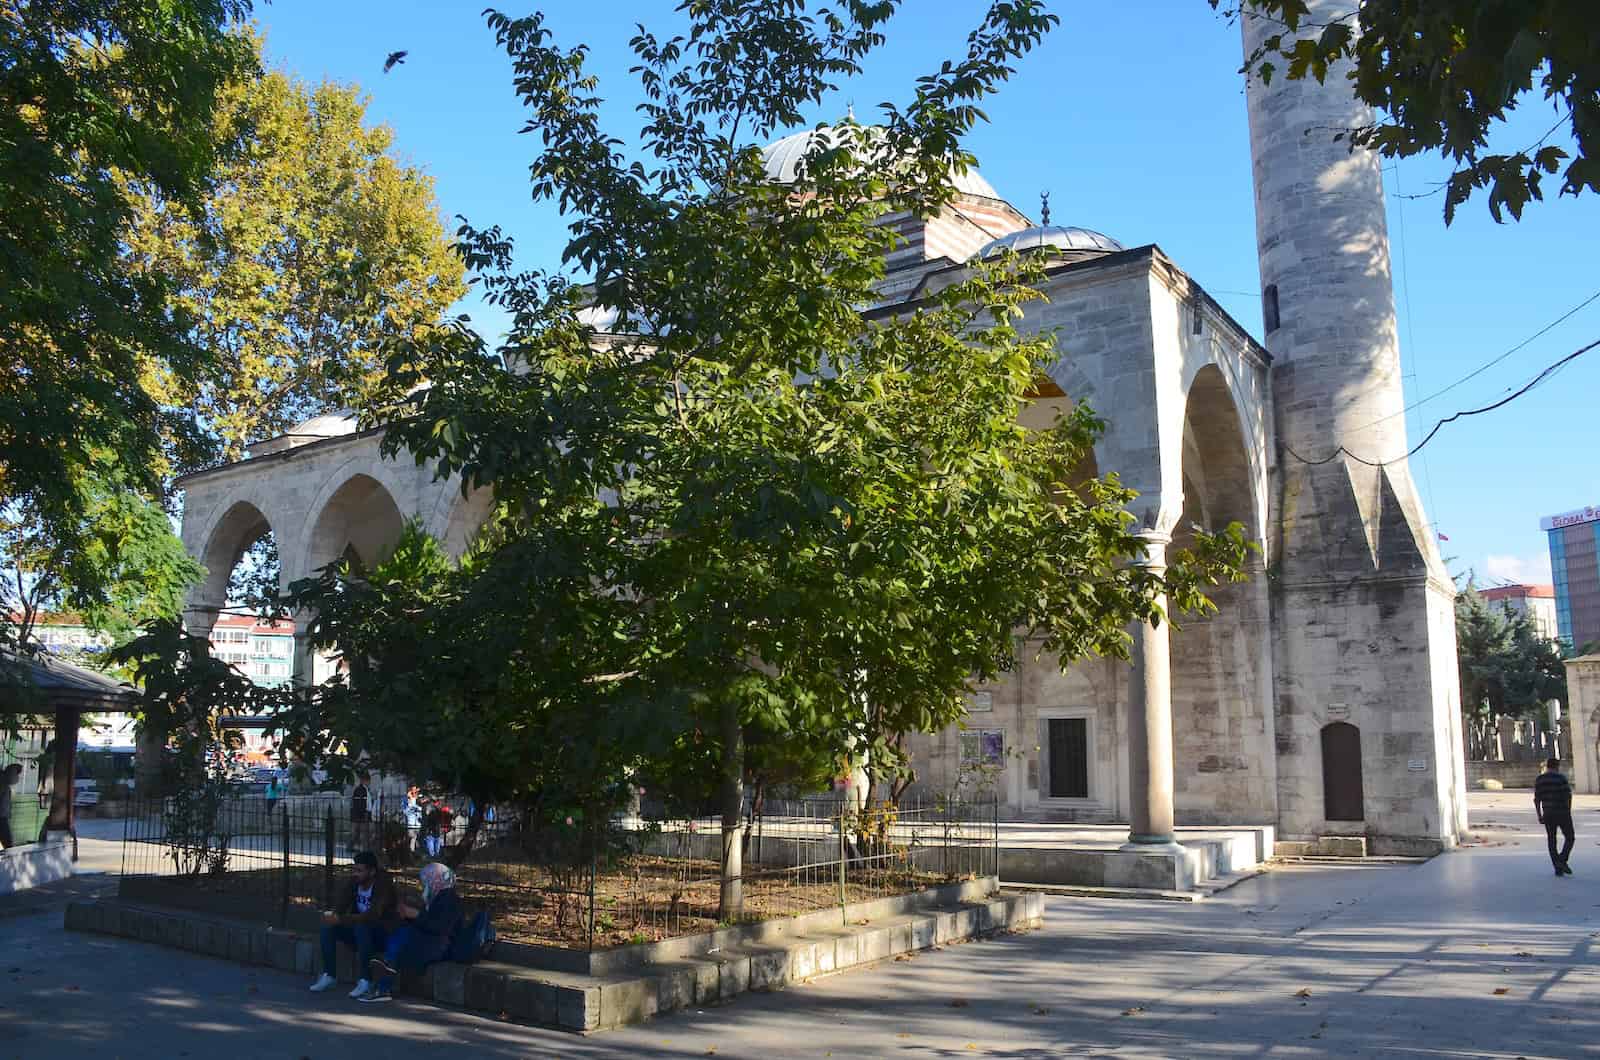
[1575, 566]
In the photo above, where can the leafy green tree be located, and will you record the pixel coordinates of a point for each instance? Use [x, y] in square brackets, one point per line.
[747, 508]
[1507, 667]
[91, 93]
[123, 567]
[444, 677]
[1446, 74]
[312, 241]
[746, 515]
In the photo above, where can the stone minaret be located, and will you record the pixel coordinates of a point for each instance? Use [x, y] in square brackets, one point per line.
[1362, 606]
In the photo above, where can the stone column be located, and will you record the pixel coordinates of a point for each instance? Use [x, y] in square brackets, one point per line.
[1150, 718]
[305, 669]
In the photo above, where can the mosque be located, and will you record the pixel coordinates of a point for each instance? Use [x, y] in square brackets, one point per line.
[1319, 702]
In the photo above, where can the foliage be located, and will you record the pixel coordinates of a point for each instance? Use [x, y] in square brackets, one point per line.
[312, 241]
[1507, 667]
[1445, 74]
[117, 565]
[193, 824]
[186, 691]
[440, 679]
[745, 511]
[92, 92]
[747, 515]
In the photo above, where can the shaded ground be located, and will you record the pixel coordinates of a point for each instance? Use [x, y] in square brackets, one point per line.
[1476, 953]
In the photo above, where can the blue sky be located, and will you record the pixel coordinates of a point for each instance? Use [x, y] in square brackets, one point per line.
[1133, 117]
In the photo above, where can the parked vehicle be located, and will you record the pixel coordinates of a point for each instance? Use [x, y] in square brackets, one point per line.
[96, 764]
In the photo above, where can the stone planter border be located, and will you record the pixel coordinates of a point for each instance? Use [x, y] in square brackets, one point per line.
[698, 971]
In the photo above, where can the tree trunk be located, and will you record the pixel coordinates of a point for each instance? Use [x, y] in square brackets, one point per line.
[456, 855]
[731, 906]
[150, 744]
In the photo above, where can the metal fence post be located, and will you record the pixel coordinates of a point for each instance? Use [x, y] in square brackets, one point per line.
[132, 808]
[327, 861]
[843, 917]
[594, 870]
[995, 835]
[283, 915]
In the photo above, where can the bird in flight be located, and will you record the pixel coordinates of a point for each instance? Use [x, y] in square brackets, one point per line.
[394, 59]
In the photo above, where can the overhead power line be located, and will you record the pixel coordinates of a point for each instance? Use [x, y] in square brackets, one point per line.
[1486, 365]
[1542, 377]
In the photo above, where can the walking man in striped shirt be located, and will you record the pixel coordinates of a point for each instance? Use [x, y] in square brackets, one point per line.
[1552, 799]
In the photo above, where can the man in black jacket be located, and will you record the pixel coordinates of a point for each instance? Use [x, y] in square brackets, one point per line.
[1552, 800]
[366, 915]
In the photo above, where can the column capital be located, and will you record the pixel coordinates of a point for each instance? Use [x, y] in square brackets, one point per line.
[1155, 548]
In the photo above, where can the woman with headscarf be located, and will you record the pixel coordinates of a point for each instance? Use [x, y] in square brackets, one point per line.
[425, 937]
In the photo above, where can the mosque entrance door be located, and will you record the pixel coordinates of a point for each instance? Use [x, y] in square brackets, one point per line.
[1341, 773]
[1069, 758]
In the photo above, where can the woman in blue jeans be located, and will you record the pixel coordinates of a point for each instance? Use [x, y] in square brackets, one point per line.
[424, 937]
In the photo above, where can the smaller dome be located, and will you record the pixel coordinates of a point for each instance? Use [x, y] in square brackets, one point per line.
[328, 425]
[1080, 240]
[782, 160]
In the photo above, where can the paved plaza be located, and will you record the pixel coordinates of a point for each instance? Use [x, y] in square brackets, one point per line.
[1480, 952]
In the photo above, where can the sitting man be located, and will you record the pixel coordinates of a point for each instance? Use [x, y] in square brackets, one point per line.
[366, 915]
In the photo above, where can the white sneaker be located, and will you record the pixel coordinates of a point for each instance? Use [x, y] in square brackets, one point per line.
[363, 988]
[324, 981]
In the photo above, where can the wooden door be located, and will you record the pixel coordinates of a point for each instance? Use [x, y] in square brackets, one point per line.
[1069, 758]
[1341, 773]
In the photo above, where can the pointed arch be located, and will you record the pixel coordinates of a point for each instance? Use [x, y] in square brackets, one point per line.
[359, 517]
[240, 526]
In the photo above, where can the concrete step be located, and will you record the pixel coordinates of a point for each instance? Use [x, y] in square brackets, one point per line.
[1328, 846]
[1200, 892]
[1200, 856]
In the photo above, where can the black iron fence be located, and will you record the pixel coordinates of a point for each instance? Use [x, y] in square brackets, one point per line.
[561, 880]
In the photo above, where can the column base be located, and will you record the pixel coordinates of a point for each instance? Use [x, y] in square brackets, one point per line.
[1152, 844]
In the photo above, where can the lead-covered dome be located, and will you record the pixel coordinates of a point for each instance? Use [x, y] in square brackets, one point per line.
[328, 425]
[1062, 237]
[782, 159]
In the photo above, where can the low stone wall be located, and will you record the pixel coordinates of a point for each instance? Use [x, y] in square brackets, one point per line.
[761, 933]
[1509, 774]
[581, 1002]
[34, 864]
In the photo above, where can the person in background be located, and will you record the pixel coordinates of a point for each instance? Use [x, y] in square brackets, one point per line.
[424, 938]
[1552, 801]
[46, 764]
[413, 816]
[437, 822]
[368, 912]
[275, 789]
[8, 780]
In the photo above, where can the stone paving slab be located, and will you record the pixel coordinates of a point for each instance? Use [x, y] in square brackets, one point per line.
[1476, 953]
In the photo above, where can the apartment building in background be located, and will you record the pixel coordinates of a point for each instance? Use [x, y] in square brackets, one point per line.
[1538, 602]
[263, 651]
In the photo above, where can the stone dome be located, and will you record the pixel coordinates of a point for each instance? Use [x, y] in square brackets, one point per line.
[328, 425]
[1078, 240]
[782, 159]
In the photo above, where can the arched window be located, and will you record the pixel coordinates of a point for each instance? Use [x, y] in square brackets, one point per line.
[1341, 773]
